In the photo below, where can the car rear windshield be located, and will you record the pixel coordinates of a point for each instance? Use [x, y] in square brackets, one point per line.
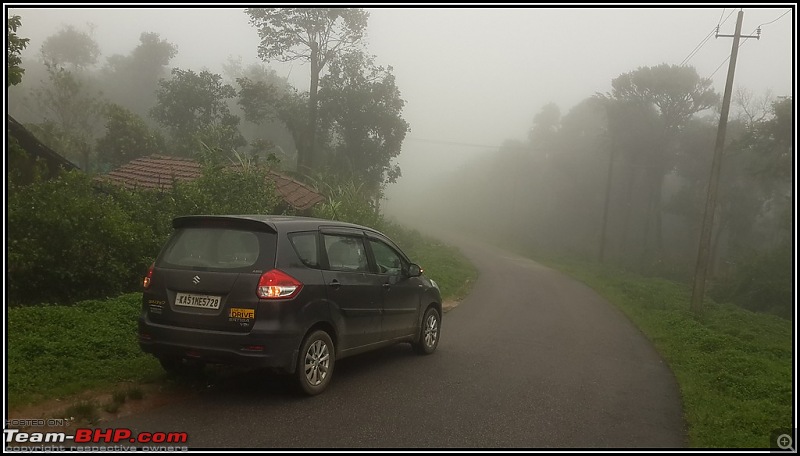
[218, 248]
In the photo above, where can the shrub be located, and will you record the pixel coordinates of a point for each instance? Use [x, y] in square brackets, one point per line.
[67, 241]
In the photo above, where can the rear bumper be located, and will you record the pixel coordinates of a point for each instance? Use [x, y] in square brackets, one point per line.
[257, 348]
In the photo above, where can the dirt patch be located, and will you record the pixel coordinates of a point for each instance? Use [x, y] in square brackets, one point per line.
[89, 408]
[447, 306]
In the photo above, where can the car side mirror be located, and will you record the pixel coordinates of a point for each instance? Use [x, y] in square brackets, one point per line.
[414, 270]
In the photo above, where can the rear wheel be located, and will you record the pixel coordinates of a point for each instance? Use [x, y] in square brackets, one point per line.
[315, 363]
[429, 333]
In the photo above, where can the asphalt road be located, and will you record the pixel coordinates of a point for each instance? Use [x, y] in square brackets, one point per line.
[531, 359]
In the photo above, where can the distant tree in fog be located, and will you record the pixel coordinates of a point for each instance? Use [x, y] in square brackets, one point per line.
[70, 110]
[678, 93]
[193, 107]
[131, 80]
[70, 47]
[314, 35]
[545, 127]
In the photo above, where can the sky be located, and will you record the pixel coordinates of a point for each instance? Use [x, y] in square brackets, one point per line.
[472, 77]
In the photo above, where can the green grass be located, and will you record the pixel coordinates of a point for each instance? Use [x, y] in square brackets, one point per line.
[54, 351]
[734, 367]
[443, 263]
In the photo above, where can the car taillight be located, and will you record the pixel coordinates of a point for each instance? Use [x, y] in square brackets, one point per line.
[148, 277]
[276, 284]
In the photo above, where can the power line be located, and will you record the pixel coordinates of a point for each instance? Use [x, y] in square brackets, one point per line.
[452, 143]
[770, 22]
[705, 40]
[729, 56]
[757, 31]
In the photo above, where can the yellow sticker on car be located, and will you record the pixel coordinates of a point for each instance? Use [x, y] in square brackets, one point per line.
[242, 313]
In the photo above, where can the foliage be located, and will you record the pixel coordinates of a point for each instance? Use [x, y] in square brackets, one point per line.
[346, 200]
[763, 282]
[361, 106]
[71, 114]
[223, 189]
[127, 138]
[289, 34]
[70, 46]
[72, 238]
[677, 91]
[193, 106]
[67, 241]
[315, 35]
[13, 51]
[545, 127]
[59, 350]
[131, 80]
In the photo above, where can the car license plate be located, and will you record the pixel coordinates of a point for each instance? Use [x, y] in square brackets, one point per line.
[201, 301]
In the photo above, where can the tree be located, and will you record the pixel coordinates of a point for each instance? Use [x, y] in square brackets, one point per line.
[678, 93]
[127, 138]
[131, 80]
[70, 114]
[545, 128]
[15, 47]
[314, 35]
[193, 106]
[361, 108]
[266, 101]
[70, 46]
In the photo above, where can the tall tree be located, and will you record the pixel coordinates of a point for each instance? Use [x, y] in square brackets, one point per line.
[194, 107]
[314, 35]
[361, 108]
[13, 51]
[678, 92]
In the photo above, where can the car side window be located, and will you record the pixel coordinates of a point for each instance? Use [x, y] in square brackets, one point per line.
[388, 260]
[346, 253]
[305, 245]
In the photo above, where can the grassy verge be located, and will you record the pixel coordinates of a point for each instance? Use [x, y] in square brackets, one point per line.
[734, 367]
[443, 263]
[55, 351]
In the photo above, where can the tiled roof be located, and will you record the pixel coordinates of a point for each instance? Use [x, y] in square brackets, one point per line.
[158, 172]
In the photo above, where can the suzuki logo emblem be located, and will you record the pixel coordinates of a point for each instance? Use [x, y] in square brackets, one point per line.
[196, 280]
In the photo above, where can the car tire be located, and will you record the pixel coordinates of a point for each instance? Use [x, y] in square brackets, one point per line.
[429, 332]
[180, 366]
[315, 363]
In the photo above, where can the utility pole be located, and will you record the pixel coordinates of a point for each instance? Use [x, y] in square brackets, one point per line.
[703, 254]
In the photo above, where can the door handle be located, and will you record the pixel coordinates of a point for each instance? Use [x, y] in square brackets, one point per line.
[335, 284]
[386, 286]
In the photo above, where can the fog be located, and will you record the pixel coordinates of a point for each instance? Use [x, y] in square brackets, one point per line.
[472, 78]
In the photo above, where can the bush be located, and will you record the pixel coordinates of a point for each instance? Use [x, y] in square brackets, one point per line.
[72, 238]
[67, 241]
[762, 283]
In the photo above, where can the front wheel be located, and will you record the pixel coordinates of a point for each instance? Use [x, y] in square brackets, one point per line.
[315, 363]
[429, 333]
